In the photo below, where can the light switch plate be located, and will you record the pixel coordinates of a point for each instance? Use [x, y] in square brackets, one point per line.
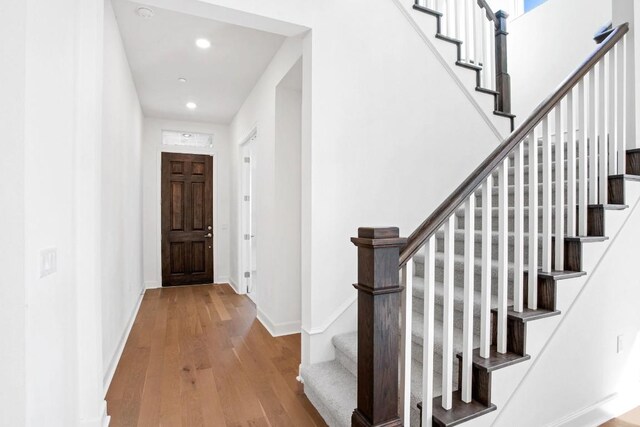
[48, 261]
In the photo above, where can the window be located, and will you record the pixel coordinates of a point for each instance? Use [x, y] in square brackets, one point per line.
[530, 4]
[186, 139]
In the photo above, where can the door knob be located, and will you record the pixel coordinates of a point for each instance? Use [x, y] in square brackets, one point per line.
[208, 235]
[209, 228]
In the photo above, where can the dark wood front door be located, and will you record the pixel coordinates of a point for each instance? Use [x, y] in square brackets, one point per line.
[187, 219]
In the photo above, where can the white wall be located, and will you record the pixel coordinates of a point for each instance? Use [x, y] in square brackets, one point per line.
[278, 292]
[12, 190]
[379, 116]
[538, 64]
[152, 149]
[121, 156]
[576, 367]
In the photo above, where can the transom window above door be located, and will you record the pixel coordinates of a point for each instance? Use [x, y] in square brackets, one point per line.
[186, 139]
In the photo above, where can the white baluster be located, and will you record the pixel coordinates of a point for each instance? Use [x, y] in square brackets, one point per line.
[447, 321]
[518, 229]
[603, 175]
[622, 112]
[613, 130]
[571, 167]
[487, 66]
[592, 139]
[485, 292]
[546, 196]
[533, 221]
[467, 316]
[503, 253]
[451, 17]
[478, 29]
[429, 313]
[405, 367]
[582, 161]
[559, 200]
[460, 19]
[492, 49]
[468, 30]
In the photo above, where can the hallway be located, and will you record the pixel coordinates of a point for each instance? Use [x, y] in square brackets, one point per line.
[197, 356]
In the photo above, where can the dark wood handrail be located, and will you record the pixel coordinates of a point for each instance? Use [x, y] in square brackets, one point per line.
[417, 239]
[488, 11]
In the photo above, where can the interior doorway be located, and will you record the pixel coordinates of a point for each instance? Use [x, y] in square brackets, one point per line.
[187, 219]
[249, 232]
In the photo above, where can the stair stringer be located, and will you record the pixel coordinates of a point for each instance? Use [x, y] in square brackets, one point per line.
[552, 389]
[465, 78]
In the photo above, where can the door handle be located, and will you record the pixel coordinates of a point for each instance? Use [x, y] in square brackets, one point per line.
[208, 235]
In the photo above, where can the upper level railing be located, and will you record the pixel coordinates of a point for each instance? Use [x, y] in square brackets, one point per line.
[574, 140]
[483, 34]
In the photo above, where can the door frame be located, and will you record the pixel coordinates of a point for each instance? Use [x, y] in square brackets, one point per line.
[216, 218]
[242, 286]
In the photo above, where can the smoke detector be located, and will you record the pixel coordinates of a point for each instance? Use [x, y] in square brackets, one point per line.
[144, 12]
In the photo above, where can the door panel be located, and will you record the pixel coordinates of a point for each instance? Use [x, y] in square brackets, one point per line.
[187, 219]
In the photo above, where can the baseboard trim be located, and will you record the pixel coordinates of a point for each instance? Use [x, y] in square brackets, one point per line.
[333, 318]
[152, 284]
[234, 285]
[602, 411]
[111, 369]
[278, 329]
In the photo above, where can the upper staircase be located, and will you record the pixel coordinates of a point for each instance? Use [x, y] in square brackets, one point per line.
[458, 306]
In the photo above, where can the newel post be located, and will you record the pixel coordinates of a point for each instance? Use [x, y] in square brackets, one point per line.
[379, 294]
[503, 80]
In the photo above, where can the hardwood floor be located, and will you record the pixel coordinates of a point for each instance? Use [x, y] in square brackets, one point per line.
[630, 419]
[197, 356]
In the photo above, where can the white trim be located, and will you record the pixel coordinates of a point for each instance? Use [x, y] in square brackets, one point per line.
[449, 70]
[113, 364]
[242, 287]
[278, 329]
[603, 410]
[332, 319]
[234, 285]
[103, 420]
[152, 284]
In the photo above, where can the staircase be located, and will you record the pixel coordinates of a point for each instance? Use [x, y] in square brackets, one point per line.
[459, 307]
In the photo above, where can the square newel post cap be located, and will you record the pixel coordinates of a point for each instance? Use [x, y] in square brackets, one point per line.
[379, 237]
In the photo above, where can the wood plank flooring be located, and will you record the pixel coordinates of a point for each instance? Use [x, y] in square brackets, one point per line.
[630, 419]
[197, 356]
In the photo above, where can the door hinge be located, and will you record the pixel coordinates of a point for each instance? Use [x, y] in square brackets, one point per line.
[247, 237]
[247, 159]
[247, 198]
[247, 274]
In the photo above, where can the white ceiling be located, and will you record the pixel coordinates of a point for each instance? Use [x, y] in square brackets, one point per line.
[162, 49]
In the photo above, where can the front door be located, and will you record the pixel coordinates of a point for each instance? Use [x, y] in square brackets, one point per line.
[187, 219]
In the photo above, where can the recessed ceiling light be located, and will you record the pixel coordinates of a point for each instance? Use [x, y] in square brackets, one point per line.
[192, 105]
[203, 43]
[144, 12]
[186, 135]
[182, 80]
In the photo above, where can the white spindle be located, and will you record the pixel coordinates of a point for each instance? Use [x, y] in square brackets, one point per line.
[582, 161]
[467, 316]
[451, 17]
[478, 28]
[622, 112]
[430, 4]
[559, 199]
[546, 196]
[485, 291]
[429, 313]
[571, 167]
[503, 253]
[460, 19]
[533, 221]
[447, 321]
[603, 187]
[468, 30]
[405, 367]
[492, 49]
[592, 139]
[613, 130]
[487, 66]
[518, 229]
